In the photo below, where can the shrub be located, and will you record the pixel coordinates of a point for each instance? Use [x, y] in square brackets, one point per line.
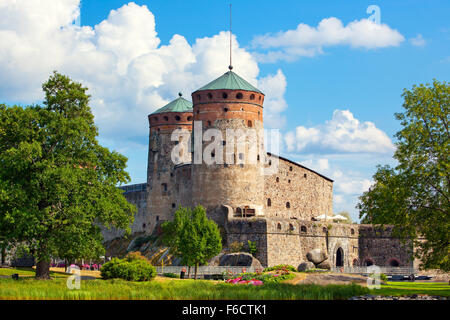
[236, 247]
[281, 267]
[252, 249]
[171, 275]
[133, 256]
[383, 277]
[134, 270]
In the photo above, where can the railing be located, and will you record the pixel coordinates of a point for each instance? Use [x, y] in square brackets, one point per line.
[389, 271]
[134, 187]
[206, 270]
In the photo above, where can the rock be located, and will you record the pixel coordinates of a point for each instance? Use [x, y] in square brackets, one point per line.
[324, 265]
[239, 259]
[215, 261]
[316, 256]
[305, 266]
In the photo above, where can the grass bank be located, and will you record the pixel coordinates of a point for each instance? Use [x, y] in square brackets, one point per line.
[409, 288]
[27, 288]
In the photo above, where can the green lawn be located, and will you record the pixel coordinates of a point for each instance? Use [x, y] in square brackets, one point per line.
[27, 288]
[165, 288]
[28, 272]
[409, 288]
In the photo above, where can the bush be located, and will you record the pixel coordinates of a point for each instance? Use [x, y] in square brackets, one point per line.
[252, 249]
[267, 278]
[383, 277]
[133, 256]
[236, 247]
[281, 267]
[131, 270]
[171, 275]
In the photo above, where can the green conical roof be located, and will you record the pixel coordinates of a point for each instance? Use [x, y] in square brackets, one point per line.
[231, 81]
[177, 105]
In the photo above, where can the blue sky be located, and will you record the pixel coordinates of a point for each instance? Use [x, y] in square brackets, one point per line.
[332, 88]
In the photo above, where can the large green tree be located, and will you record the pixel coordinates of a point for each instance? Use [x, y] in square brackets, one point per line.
[57, 184]
[192, 236]
[414, 196]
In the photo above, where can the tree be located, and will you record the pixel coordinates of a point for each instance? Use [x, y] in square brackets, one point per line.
[57, 184]
[347, 215]
[192, 236]
[414, 196]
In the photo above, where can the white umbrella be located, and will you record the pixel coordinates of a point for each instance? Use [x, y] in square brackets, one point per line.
[324, 217]
[339, 217]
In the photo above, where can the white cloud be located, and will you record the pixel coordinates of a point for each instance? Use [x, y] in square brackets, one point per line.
[418, 41]
[307, 41]
[129, 73]
[342, 134]
[319, 165]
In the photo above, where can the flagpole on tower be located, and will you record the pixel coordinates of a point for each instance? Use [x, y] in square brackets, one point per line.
[231, 36]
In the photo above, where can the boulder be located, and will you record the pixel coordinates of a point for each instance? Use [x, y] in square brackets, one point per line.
[305, 266]
[324, 265]
[316, 256]
[239, 259]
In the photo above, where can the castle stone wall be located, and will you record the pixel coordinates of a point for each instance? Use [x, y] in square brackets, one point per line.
[137, 195]
[308, 193]
[377, 246]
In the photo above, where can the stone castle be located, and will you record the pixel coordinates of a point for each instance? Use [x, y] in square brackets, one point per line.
[277, 211]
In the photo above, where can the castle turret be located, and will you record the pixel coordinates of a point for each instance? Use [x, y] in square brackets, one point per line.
[235, 180]
[162, 200]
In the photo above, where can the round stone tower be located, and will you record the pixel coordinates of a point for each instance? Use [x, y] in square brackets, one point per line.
[234, 182]
[166, 150]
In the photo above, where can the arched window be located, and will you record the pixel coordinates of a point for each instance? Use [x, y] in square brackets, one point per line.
[368, 262]
[189, 118]
[199, 97]
[304, 176]
[394, 262]
[355, 262]
[210, 96]
[278, 179]
[173, 205]
[225, 109]
[324, 229]
[303, 229]
[209, 123]
[224, 95]
[166, 118]
[290, 168]
[279, 226]
[239, 96]
[291, 227]
[269, 202]
[352, 231]
[288, 205]
[339, 257]
[249, 123]
[252, 97]
[177, 118]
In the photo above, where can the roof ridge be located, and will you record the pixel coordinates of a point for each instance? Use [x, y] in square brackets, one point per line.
[229, 81]
[178, 105]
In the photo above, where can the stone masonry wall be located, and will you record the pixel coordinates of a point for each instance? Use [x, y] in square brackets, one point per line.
[307, 193]
[377, 246]
[135, 194]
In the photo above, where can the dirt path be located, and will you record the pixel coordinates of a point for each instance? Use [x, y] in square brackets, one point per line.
[331, 278]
